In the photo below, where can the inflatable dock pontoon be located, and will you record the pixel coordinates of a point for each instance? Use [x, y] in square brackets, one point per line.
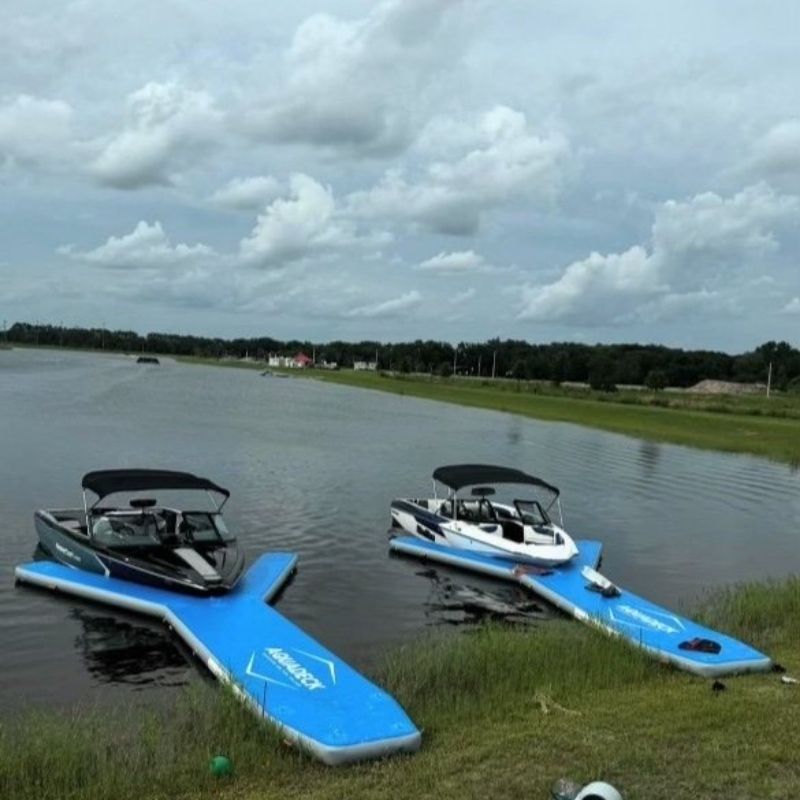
[317, 701]
[587, 596]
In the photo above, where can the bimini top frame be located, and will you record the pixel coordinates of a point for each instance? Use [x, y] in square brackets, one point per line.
[109, 481]
[457, 476]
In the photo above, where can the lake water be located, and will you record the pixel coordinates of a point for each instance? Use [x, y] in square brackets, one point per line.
[312, 468]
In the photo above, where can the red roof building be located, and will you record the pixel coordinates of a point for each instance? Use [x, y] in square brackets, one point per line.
[302, 360]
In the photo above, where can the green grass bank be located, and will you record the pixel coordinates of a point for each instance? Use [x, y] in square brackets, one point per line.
[504, 711]
[761, 426]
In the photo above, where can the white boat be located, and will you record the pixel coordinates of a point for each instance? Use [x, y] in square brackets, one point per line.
[519, 529]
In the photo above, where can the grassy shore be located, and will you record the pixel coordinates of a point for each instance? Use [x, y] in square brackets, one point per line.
[504, 711]
[758, 425]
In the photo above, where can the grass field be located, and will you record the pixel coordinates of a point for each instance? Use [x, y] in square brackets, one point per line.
[761, 426]
[504, 711]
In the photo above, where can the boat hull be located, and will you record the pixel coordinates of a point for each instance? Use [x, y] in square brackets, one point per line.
[425, 524]
[72, 550]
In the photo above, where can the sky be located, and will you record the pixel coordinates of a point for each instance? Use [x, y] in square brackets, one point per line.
[611, 171]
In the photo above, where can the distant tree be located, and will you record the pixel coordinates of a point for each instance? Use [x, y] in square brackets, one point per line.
[656, 380]
[602, 374]
[445, 369]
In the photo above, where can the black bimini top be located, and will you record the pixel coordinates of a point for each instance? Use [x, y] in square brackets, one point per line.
[456, 476]
[108, 481]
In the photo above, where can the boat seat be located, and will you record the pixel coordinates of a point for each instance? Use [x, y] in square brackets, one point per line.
[513, 531]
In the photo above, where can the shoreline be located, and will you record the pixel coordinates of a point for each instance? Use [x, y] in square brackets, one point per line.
[759, 426]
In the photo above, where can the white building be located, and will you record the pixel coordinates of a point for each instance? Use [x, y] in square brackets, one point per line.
[360, 366]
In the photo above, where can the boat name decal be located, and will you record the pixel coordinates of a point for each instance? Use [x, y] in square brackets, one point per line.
[294, 669]
[68, 553]
[646, 619]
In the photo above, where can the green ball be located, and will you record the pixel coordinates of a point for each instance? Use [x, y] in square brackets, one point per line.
[221, 766]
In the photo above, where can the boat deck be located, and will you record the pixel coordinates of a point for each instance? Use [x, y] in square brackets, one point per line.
[644, 624]
[318, 701]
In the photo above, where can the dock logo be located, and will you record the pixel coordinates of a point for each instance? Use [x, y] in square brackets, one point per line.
[293, 673]
[648, 620]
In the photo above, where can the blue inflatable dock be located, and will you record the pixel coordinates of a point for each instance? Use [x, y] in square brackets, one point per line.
[319, 702]
[663, 634]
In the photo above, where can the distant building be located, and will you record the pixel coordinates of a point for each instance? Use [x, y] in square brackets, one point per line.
[297, 361]
[362, 366]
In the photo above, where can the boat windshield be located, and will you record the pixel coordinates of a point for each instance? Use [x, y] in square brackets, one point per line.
[134, 528]
[203, 526]
[531, 512]
[128, 529]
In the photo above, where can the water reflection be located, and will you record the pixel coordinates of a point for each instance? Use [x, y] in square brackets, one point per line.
[117, 650]
[649, 455]
[453, 599]
[514, 430]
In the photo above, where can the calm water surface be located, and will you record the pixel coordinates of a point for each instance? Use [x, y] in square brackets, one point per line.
[312, 468]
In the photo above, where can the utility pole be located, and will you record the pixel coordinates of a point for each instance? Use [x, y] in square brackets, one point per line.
[479, 365]
[494, 363]
[769, 378]
[455, 358]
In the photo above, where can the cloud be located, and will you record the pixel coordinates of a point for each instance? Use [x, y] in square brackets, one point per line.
[35, 131]
[792, 307]
[247, 194]
[303, 223]
[463, 297]
[166, 127]
[461, 261]
[388, 308]
[359, 84]
[701, 251]
[777, 153]
[146, 247]
[508, 162]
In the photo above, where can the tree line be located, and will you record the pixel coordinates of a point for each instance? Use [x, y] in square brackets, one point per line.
[603, 366]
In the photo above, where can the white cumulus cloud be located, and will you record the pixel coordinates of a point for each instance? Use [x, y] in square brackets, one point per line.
[702, 251]
[394, 307]
[35, 130]
[247, 194]
[357, 84]
[459, 261]
[166, 127]
[792, 307]
[777, 153]
[146, 247]
[508, 162]
[303, 223]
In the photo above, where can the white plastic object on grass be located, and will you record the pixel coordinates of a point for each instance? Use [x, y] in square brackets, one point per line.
[598, 790]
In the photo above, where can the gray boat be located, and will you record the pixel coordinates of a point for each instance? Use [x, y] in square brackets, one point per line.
[181, 549]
